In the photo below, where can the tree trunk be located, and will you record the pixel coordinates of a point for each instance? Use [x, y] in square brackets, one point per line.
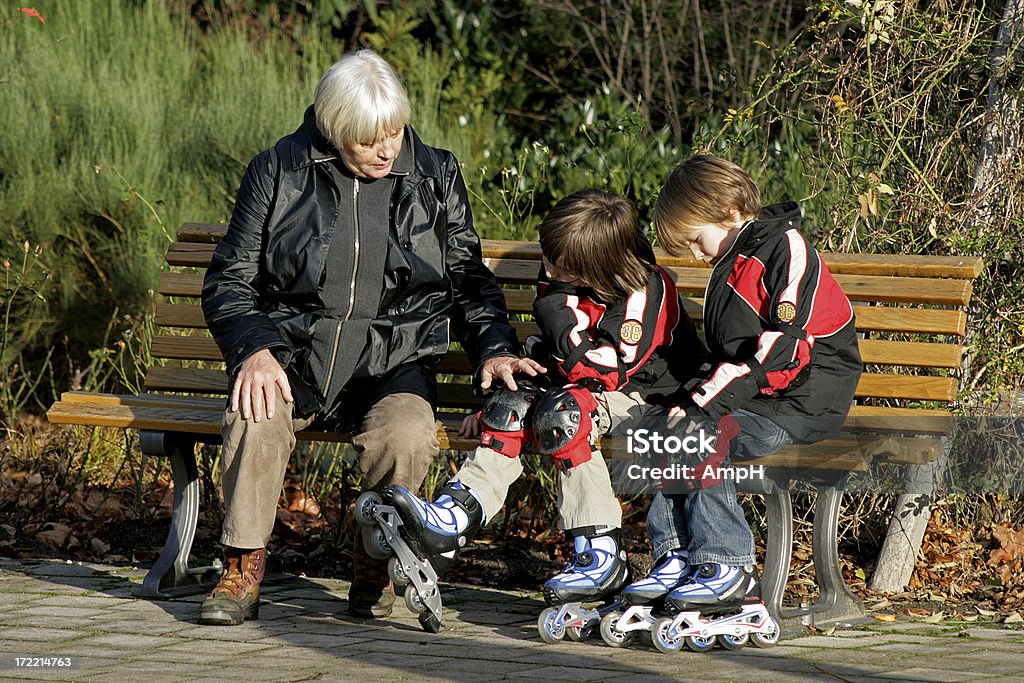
[999, 151]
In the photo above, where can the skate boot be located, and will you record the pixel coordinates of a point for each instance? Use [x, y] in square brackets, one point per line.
[642, 598]
[438, 531]
[392, 526]
[719, 603]
[596, 571]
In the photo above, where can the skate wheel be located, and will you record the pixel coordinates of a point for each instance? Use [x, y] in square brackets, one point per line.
[731, 642]
[377, 545]
[610, 632]
[767, 639]
[415, 603]
[548, 628]
[663, 640]
[397, 573]
[364, 507]
[700, 643]
[429, 623]
[579, 633]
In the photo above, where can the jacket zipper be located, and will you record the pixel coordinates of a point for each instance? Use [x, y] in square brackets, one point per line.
[352, 288]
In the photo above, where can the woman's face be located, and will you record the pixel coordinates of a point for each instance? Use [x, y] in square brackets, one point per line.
[372, 159]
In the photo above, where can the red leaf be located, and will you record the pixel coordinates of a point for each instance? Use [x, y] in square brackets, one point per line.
[32, 13]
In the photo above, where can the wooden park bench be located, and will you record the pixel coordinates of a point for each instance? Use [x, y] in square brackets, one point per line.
[911, 311]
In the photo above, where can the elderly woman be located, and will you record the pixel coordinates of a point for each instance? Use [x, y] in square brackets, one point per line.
[350, 254]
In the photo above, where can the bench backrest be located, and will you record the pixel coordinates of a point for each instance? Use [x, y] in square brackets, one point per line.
[911, 312]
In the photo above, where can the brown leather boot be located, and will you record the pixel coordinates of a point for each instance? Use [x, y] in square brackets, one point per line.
[371, 595]
[237, 596]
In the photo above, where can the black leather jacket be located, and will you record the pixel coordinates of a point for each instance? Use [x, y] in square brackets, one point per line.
[264, 288]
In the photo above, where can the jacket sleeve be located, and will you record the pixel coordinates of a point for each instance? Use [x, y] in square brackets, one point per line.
[782, 351]
[479, 315]
[230, 296]
[586, 351]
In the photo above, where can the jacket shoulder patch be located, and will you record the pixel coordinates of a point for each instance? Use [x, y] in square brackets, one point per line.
[631, 332]
[785, 312]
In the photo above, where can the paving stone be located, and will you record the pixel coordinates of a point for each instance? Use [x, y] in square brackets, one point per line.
[489, 635]
[48, 635]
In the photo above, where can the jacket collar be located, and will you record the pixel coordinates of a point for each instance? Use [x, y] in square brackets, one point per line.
[773, 220]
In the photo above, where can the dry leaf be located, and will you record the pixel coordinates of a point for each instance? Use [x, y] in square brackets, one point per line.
[1011, 545]
[1014, 618]
[56, 535]
[885, 617]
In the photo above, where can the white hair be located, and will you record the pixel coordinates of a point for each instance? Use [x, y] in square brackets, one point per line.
[360, 99]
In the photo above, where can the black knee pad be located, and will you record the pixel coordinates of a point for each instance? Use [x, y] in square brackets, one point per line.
[507, 417]
[562, 424]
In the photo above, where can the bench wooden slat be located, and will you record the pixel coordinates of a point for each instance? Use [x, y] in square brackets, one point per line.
[869, 264]
[521, 301]
[869, 318]
[861, 418]
[874, 352]
[860, 286]
[871, 385]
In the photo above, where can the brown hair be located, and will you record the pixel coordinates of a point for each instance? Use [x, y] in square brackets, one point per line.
[702, 190]
[594, 235]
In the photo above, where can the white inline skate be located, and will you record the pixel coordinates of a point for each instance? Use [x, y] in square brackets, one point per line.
[596, 571]
[719, 604]
[641, 600]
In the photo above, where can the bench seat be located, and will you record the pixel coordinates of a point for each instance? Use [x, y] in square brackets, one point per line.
[911, 317]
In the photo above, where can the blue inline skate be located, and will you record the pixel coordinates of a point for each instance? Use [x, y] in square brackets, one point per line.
[719, 603]
[641, 599]
[421, 539]
[596, 572]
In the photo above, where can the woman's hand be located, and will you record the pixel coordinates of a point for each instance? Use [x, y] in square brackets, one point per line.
[504, 367]
[255, 388]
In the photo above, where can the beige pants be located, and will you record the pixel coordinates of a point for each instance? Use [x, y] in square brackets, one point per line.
[396, 443]
[585, 496]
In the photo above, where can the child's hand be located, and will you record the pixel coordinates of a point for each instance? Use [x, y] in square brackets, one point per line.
[470, 426]
[675, 414]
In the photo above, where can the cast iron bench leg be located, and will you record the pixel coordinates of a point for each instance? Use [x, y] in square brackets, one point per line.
[171, 576]
[836, 602]
[778, 548]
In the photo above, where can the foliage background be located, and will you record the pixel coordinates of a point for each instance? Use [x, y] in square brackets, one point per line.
[126, 118]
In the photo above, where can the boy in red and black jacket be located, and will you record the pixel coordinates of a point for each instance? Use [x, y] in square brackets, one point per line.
[615, 341]
[784, 366]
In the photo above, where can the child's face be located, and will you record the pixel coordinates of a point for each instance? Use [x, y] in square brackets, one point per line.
[709, 242]
[555, 273]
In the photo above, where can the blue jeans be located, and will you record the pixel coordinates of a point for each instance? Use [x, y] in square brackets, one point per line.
[709, 523]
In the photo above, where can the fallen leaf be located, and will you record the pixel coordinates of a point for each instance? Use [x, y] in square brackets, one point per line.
[985, 612]
[935, 618]
[56, 535]
[1014, 618]
[885, 617]
[881, 604]
[1011, 545]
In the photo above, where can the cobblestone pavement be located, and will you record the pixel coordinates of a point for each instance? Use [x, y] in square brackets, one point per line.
[85, 612]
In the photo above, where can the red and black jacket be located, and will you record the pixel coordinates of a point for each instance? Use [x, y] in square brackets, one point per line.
[780, 331]
[640, 342]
